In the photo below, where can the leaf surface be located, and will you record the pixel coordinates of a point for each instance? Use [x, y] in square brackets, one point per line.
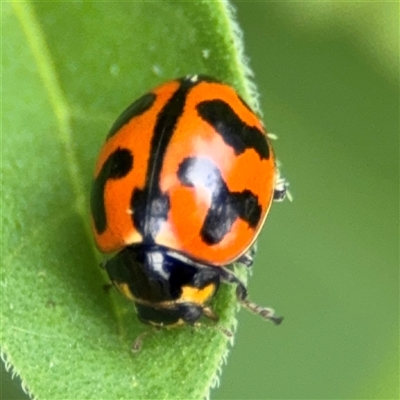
[69, 69]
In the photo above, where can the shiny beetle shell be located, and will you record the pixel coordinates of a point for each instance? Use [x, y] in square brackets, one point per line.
[188, 166]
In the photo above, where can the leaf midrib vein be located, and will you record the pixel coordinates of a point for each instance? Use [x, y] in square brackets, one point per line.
[36, 40]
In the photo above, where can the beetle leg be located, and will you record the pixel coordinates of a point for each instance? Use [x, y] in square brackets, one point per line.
[241, 294]
[247, 258]
[138, 343]
[281, 188]
[209, 313]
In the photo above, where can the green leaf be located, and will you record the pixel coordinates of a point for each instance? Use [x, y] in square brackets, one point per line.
[69, 69]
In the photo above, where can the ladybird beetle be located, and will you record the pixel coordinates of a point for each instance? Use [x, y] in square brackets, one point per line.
[181, 189]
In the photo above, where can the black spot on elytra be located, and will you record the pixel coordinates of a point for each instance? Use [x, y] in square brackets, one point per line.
[226, 206]
[232, 129]
[149, 204]
[149, 215]
[117, 165]
[137, 108]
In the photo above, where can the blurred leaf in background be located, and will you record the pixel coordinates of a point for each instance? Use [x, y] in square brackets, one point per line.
[328, 74]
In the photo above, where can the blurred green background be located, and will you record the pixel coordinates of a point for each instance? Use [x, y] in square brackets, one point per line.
[328, 74]
[329, 261]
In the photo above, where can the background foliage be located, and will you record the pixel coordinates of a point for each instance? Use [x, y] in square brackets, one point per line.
[328, 74]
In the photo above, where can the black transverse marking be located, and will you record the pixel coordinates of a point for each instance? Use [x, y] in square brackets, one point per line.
[226, 206]
[232, 129]
[117, 165]
[136, 108]
[150, 206]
